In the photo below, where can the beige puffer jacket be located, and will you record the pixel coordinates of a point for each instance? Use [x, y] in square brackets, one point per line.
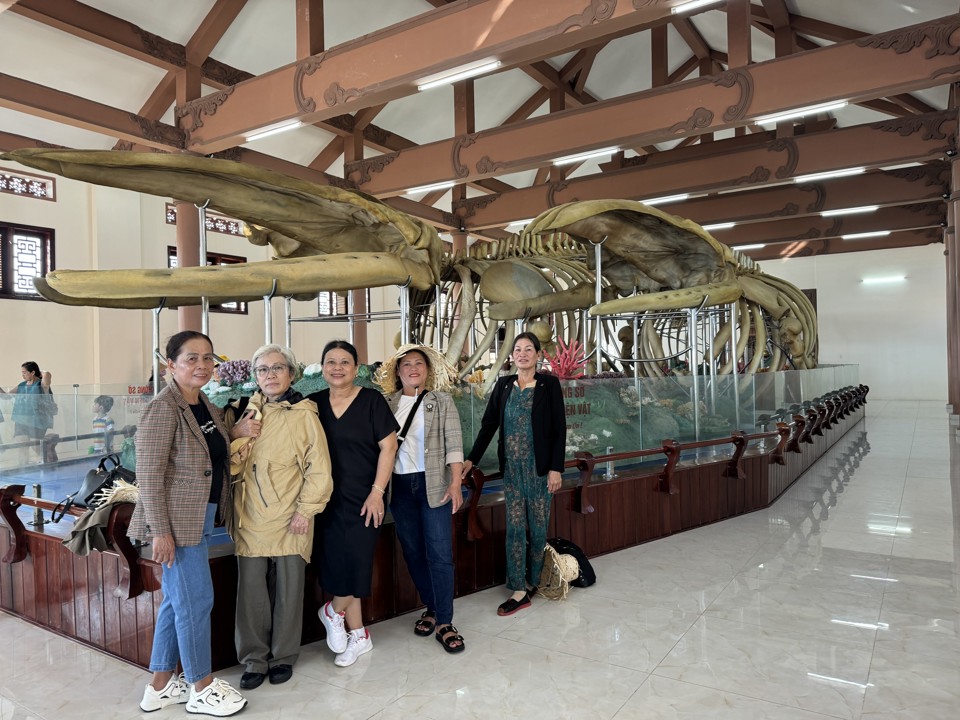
[287, 470]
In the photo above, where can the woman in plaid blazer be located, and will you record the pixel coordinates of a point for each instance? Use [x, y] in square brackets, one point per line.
[181, 470]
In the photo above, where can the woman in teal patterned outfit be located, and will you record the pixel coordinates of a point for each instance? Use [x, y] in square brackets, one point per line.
[528, 407]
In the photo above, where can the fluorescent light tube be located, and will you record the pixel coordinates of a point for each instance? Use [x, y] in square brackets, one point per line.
[718, 226]
[692, 5]
[589, 155]
[755, 246]
[430, 188]
[666, 199]
[458, 75]
[800, 112]
[902, 165]
[883, 280]
[850, 211]
[827, 175]
[863, 235]
[267, 132]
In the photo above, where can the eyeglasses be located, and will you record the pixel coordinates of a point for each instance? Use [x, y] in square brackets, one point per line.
[264, 370]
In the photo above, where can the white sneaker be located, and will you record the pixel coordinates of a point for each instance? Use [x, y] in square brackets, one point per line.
[217, 699]
[175, 691]
[333, 623]
[356, 646]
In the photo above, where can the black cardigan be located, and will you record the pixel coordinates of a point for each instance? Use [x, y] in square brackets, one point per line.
[548, 419]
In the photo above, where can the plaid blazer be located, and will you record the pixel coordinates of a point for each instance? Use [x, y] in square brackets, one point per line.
[173, 469]
[442, 440]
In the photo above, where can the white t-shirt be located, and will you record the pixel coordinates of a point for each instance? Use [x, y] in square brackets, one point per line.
[410, 455]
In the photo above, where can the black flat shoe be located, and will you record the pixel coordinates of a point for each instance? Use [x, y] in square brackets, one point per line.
[251, 680]
[280, 674]
[511, 606]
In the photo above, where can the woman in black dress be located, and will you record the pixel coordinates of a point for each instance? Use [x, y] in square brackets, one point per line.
[362, 436]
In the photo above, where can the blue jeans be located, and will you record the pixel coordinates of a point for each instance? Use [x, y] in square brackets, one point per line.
[182, 632]
[426, 536]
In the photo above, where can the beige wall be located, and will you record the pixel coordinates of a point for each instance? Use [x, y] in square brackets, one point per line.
[104, 228]
[895, 332]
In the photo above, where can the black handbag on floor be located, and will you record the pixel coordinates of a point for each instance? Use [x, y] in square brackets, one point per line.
[96, 480]
[587, 576]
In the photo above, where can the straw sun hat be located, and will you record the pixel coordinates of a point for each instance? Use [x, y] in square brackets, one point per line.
[440, 376]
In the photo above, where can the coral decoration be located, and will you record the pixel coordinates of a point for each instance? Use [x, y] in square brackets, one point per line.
[569, 361]
[234, 372]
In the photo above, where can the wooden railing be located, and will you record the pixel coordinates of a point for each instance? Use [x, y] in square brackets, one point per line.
[806, 420]
[12, 498]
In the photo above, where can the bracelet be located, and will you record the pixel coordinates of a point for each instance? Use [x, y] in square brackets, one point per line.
[379, 489]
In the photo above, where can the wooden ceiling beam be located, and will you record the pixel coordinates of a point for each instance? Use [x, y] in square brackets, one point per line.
[684, 70]
[198, 49]
[908, 217]
[328, 156]
[41, 101]
[309, 23]
[831, 246]
[692, 37]
[905, 100]
[87, 23]
[212, 29]
[896, 187]
[108, 31]
[739, 43]
[100, 28]
[528, 106]
[807, 26]
[388, 64]
[551, 79]
[887, 143]
[858, 70]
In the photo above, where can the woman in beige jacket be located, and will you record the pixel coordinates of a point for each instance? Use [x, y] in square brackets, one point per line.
[281, 481]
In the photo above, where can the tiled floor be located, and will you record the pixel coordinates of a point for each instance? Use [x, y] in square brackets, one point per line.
[841, 600]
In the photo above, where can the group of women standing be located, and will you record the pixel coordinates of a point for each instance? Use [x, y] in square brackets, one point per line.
[274, 464]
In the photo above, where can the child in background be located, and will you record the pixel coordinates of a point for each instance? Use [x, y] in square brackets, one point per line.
[102, 425]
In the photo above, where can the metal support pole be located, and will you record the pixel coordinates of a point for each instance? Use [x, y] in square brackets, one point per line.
[268, 314]
[351, 322]
[405, 312]
[711, 329]
[597, 299]
[693, 339]
[204, 302]
[585, 330]
[438, 325]
[287, 324]
[37, 512]
[156, 345]
[76, 418]
[610, 474]
[734, 337]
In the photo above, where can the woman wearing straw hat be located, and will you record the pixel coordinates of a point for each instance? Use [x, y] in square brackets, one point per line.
[425, 489]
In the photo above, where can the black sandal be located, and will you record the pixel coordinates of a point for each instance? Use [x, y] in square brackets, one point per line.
[511, 606]
[448, 636]
[426, 623]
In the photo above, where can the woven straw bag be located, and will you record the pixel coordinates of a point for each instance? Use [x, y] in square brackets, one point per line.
[558, 571]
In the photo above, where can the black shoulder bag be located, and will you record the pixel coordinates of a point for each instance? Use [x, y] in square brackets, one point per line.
[406, 425]
[96, 480]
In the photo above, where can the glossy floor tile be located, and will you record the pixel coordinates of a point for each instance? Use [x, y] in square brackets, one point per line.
[842, 600]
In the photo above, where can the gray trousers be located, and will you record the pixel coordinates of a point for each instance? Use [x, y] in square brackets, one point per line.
[269, 611]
